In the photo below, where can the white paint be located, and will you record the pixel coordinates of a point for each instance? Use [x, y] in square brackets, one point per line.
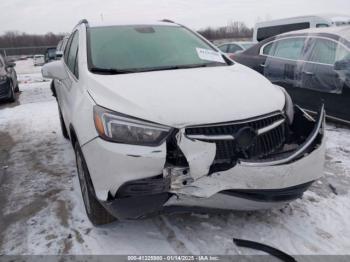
[112, 164]
[185, 97]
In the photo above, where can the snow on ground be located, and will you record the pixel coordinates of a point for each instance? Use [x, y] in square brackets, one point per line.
[42, 210]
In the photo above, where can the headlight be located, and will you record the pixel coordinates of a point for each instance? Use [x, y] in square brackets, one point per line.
[124, 129]
[288, 107]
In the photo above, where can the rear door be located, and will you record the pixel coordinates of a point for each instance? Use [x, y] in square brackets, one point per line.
[318, 69]
[67, 87]
[320, 80]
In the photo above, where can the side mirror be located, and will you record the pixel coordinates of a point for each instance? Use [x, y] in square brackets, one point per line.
[54, 70]
[59, 54]
[342, 65]
[10, 64]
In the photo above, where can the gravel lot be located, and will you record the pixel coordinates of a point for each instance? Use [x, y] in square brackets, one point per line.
[42, 210]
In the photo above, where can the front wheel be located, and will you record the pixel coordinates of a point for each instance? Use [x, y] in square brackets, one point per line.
[97, 214]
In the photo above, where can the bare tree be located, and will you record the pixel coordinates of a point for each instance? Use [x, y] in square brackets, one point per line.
[17, 43]
[234, 29]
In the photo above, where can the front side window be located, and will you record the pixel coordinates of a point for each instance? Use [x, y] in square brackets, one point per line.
[327, 52]
[290, 48]
[59, 46]
[145, 48]
[73, 53]
[66, 51]
[64, 43]
[267, 49]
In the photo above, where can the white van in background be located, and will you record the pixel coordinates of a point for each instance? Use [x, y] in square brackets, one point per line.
[271, 28]
[38, 60]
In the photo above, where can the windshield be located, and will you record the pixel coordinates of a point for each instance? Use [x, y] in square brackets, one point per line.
[127, 49]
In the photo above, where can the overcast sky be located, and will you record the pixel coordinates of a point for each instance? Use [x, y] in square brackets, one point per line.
[41, 16]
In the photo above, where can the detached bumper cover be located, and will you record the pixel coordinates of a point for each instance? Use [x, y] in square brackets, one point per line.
[136, 178]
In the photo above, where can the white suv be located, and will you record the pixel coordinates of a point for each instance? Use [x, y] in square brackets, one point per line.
[161, 120]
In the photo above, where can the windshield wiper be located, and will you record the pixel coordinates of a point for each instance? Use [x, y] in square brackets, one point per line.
[185, 66]
[172, 67]
[110, 71]
[114, 71]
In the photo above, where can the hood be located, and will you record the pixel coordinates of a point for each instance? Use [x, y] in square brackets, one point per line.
[185, 97]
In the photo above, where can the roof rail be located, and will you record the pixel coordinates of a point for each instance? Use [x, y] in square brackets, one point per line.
[167, 21]
[83, 21]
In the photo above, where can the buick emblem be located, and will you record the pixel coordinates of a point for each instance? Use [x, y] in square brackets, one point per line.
[245, 138]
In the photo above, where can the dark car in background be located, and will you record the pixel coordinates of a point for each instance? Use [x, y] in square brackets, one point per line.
[312, 65]
[8, 80]
[50, 54]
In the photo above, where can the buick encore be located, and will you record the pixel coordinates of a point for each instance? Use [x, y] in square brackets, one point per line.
[162, 121]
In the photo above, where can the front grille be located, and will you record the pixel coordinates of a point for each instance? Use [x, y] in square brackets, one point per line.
[228, 151]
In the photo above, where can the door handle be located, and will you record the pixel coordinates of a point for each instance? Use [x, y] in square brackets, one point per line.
[308, 73]
[263, 65]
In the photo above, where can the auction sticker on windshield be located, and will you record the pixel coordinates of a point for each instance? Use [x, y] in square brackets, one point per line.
[209, 55]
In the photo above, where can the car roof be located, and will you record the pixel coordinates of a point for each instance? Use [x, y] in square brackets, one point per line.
[341, 31]
[124, 22]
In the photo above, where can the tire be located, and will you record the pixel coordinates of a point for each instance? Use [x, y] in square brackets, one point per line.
[63, 126]
[17, 89]
[12, 97]
[96, 213]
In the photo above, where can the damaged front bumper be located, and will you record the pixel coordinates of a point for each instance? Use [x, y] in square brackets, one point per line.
[137, 181]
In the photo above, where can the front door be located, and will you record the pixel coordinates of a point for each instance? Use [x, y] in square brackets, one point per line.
[282, 65]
